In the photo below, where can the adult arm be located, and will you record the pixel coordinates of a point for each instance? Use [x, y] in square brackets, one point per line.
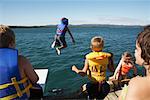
[111, 64]
[118, 67]
[28, 69]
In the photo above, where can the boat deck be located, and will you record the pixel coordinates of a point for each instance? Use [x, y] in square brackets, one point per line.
[113, 95]
[110, 96]
[115, 89]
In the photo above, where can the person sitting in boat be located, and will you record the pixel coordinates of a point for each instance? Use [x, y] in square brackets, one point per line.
[59, 39]
[17, 75]
[139, 88]
[95, 67]
[126, 63]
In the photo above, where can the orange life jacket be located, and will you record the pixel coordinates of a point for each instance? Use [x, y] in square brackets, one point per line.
[125, 69]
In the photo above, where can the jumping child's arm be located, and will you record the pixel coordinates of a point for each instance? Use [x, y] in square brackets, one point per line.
[83, 71]
[70, 35]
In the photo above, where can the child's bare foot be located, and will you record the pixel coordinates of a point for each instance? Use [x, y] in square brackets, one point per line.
[58, 51]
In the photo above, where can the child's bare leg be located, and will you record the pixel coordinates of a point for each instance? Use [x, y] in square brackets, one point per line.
[61, 47]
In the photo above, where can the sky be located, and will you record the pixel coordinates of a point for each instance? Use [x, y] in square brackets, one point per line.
[49, 12]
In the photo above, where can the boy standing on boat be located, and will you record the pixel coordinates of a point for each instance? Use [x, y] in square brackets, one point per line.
[59, 40]
[95, 67]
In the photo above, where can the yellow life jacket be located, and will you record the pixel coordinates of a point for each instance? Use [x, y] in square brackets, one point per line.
[98, 62]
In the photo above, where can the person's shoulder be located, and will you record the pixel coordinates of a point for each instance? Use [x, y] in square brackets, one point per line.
[23, 60]
[58, 25]
[106, 54]
[88, 55]
[137, 83]
[138, 87]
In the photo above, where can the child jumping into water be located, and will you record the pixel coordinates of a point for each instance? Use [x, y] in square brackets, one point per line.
[126, 63]
[59, 40]
[95, 67]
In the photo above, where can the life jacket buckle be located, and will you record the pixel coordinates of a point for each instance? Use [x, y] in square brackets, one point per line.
[14, 81]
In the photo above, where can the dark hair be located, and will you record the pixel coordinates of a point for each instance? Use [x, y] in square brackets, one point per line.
[143, 40]
[64, 21]
[127, 54]
[147, 27]
[7, 36]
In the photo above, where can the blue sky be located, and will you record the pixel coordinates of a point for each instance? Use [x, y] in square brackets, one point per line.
[49, 12]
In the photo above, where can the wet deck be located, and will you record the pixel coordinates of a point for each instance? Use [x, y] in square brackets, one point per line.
[115, 91]
[113, 95]
[110, 96]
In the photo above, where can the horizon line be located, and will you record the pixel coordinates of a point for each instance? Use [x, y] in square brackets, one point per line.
[75, 25]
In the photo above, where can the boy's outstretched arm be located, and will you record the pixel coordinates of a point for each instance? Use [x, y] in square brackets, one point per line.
[70, 35]
[83, 71]
[118, 67]
[111, 64]
[116, 70]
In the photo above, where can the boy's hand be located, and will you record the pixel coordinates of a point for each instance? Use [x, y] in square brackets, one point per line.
[73, 41]
[74, 68]
[112, 78]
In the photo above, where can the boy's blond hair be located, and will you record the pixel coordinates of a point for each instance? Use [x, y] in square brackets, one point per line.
[7, 36]
[97, 43]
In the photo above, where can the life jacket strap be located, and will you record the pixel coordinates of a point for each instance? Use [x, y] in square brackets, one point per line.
[19, 91]
[26, 90]
[8, 84]
[14, 81]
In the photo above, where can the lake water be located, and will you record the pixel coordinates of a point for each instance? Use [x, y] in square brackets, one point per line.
[34, 43]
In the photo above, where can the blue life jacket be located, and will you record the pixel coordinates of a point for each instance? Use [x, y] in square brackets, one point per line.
[60, 29]
[11, 84]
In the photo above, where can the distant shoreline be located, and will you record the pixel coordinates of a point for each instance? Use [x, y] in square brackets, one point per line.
[82, 25]
[26, 26]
